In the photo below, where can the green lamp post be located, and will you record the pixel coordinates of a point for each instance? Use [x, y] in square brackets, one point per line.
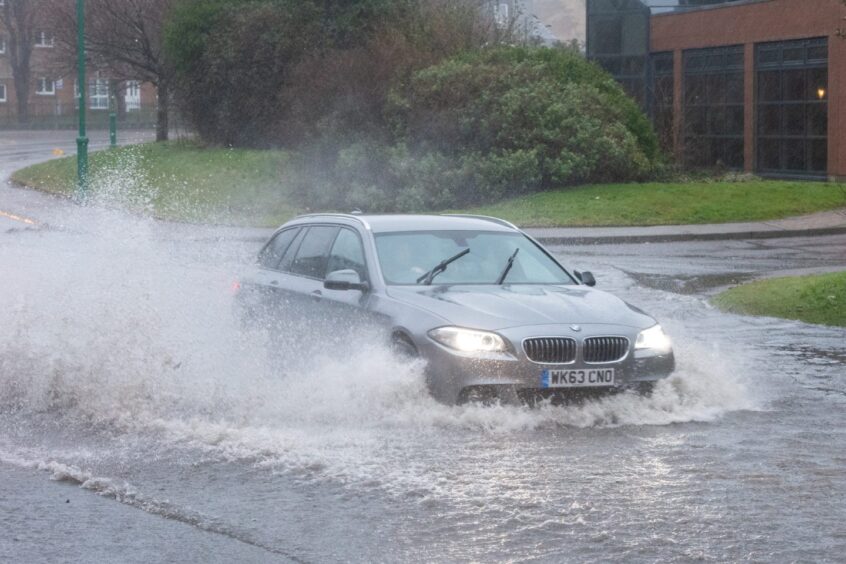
[82, 140]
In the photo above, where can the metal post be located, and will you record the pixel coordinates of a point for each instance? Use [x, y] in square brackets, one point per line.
[82, 140]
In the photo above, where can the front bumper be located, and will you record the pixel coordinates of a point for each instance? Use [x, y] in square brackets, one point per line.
[449, 372]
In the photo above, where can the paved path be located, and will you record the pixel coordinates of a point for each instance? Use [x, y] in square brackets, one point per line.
[823, 223]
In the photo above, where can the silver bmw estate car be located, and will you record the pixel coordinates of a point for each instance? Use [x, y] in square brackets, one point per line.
[492, 312]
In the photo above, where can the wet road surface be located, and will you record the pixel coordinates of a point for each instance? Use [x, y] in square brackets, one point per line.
[139, 422]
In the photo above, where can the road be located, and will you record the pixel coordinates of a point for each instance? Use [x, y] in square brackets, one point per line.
[139, 423]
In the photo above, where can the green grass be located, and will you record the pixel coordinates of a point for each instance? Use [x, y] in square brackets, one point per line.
[668, 203]
[179, 180]
[819, 299]
[185, 181]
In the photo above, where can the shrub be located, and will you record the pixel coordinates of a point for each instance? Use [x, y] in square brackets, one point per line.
[402, 104]
[482, 127]
[526, 119]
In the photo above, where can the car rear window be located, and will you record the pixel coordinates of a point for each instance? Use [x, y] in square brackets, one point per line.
[271, 255]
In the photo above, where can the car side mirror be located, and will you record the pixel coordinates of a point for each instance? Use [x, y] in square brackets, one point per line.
[344, 280]
[585, 278]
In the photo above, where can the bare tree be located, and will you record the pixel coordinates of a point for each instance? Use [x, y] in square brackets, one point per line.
[126, 39]
[20, 18]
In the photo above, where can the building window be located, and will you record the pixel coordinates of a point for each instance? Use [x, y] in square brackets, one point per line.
[2, 43]
[618, 40]
[44, 39]
[98, 94]
[45, 86]
[663, 97]
[132, 98]
[2, 92]
[792, 107]
[501, 14]
[714, 107]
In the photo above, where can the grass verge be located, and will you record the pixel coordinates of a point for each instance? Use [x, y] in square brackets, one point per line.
[185, 181]
[819, 299]
[669, 203]
[179, 180]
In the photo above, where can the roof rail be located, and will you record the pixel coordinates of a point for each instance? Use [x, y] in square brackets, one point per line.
[352, 216]
[492, 219]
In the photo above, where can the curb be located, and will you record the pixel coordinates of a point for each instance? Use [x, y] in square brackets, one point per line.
[679, 237]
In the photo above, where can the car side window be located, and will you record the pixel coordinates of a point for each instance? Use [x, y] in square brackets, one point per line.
[272, 253]
[313, 254]
[347, 254]
[288, 257]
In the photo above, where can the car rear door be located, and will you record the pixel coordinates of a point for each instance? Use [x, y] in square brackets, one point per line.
[303, 275]
[262, 293]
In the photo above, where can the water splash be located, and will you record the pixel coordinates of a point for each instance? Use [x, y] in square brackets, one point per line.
[124, 325]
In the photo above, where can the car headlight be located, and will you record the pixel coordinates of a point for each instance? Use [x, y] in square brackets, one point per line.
[468, 340]
[654, 339]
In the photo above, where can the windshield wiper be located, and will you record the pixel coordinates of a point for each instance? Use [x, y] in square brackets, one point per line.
[508, 266]
[442, 266]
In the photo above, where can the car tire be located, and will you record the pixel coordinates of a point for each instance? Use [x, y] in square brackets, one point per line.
[645, 389]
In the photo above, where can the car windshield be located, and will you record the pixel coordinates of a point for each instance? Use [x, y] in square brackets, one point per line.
[407, 256]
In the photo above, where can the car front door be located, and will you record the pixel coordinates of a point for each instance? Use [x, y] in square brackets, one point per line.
[347, 308]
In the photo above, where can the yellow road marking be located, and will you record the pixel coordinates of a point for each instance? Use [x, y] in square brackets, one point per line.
[18, 218]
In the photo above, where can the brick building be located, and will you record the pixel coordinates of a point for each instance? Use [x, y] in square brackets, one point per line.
[53, 96]
[755, 85]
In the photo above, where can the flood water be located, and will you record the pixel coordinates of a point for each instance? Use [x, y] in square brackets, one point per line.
[137, 417]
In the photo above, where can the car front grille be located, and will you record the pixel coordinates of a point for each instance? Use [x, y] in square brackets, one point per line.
[562, 350]
[605, 349]
[550, 350]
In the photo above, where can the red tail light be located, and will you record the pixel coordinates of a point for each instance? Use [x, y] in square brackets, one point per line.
[235, 288]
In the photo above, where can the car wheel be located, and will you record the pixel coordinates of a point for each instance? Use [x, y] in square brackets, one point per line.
[403, 347]
[645, 388]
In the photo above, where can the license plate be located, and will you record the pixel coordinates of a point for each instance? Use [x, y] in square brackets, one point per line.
[586, 378]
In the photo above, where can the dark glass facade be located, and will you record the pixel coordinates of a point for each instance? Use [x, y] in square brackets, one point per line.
[792, 107]
[713, 107]
[618, 40]
[762, 106]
